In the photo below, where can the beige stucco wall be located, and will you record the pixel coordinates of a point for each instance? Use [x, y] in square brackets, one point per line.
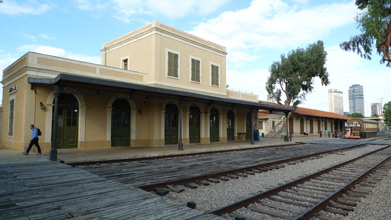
[146, 50]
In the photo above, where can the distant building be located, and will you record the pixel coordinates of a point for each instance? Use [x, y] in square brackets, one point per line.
[356, 99]
[376, 108]
[336, 101]
[345, 113]
[270, 99]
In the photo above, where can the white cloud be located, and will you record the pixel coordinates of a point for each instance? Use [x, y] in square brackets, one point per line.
[250, 82]
[58, 52]
[273, 24]
[346, 69]
[126, 9]
[11, 7]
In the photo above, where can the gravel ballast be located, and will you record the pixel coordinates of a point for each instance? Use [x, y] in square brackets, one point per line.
[219, 194]
[377, 204]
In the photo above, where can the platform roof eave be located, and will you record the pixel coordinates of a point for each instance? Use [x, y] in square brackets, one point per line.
[66, 77]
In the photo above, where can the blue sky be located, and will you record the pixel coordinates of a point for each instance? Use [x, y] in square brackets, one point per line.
[255, 33]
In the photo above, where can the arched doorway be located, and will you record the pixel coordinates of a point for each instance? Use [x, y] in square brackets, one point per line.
[194, 124]
[171, 124]
[230, 126]
[301, 126]
[214, 125]
[120, 123]
[68, 116]
[291, 126]
[248, 125]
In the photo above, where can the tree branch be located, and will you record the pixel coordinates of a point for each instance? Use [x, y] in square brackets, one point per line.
[386, 44]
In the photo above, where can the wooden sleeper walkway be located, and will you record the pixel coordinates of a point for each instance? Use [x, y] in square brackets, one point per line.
[49, 190]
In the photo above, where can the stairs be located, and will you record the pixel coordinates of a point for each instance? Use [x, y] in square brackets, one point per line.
[278, 129]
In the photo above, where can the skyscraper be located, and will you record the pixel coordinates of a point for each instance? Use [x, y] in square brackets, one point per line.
[356, 99]
[376, 108]
[336, 101]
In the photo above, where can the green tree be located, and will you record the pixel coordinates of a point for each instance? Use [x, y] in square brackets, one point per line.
[374, 22]
[356, 115]
[294, 74]
[387, 114]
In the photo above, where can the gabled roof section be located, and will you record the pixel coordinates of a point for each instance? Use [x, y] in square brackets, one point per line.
[312, 112]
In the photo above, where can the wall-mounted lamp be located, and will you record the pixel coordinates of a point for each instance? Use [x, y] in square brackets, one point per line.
[41, 106]
[139, 111]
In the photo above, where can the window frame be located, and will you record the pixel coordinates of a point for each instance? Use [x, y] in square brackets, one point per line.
[218, 73]
[190, 68]
[11, 98]
[179, 63]
[122, 63]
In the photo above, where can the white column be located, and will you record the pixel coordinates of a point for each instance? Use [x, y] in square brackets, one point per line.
[162, 116]
[133, 116]
[221, 124]
[235, 124]
[108, 123]
[48, 125]
[202, 125]
[207, 125]
[186, 119]
[82, 123]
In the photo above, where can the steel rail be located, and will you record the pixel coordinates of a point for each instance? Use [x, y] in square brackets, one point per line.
[258, 166]
[247, 201]
[86, 163]
[324, 203]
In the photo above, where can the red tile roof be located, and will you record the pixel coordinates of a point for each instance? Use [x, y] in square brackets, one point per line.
[313, 112]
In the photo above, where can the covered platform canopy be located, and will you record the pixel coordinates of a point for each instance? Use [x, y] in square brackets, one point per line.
[66, 83]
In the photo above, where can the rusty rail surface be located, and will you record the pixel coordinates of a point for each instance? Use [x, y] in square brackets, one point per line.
[247, 201]
[258, 166]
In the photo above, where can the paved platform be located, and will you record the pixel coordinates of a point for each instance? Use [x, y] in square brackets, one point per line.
[79, 155]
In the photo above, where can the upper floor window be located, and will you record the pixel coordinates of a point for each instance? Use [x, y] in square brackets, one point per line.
[195, 70]
[125, 64]
[215, 81]
[172, 64]
[11, 118]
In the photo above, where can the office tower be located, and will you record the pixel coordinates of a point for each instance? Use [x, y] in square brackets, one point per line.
[376, 108]
[336, 101]
[356, 99]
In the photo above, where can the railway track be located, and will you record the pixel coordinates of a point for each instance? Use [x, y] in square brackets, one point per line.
[99, 162]
[194, 181]
[326, 194]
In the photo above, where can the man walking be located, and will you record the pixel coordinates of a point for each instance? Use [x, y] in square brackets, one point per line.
[33, 141]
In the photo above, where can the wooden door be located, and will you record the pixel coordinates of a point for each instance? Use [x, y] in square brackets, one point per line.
[214, 125]
[171, 124]
[194, 124]
[230, 126]
[120, 123]
[311, 126]
[67, 127]
[301, 126]
[291, 126]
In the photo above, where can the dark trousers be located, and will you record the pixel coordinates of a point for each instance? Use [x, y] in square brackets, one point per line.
[34, 142]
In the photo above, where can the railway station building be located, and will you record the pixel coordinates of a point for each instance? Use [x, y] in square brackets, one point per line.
[302, 122]
[155, 86]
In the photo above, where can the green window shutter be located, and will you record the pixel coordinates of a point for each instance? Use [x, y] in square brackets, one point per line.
[176, 65]
[195, 70]
[198, 70]
[172, 64]
[215, 75]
